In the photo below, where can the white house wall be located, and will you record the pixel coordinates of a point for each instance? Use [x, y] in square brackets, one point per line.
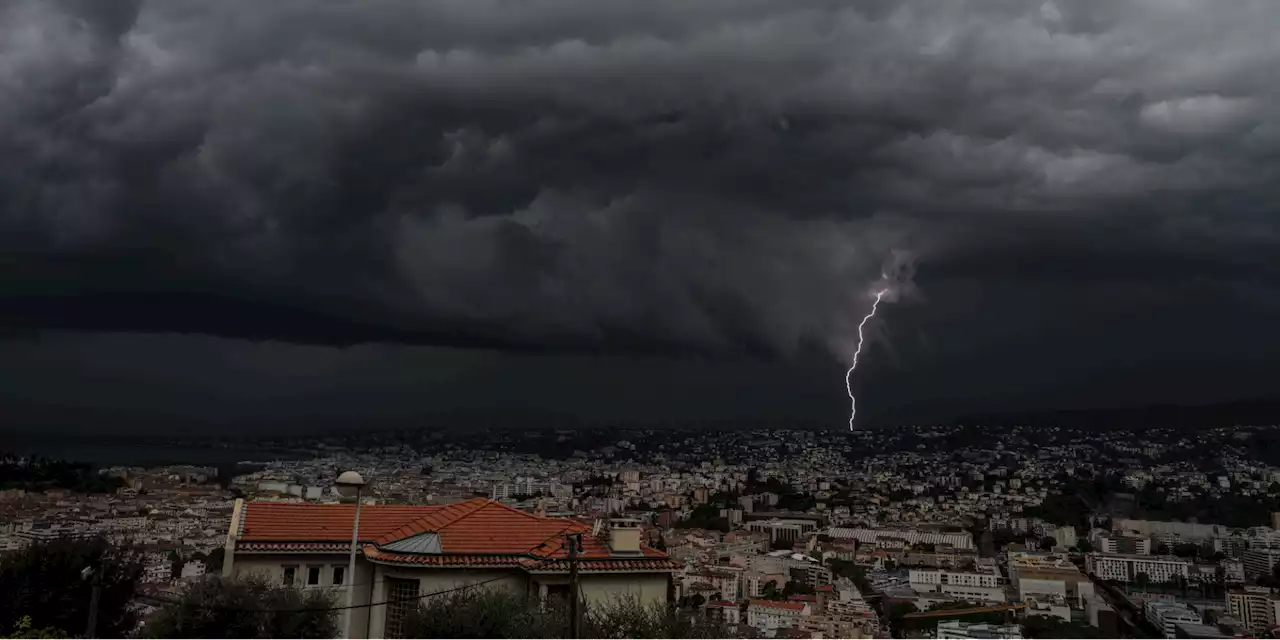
[436, 580]
[272, 566]
[604, 588]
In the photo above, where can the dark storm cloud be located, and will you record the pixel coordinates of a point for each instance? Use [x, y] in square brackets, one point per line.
[720, 174]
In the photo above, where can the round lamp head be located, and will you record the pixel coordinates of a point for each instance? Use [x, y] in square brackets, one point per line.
[349, 484]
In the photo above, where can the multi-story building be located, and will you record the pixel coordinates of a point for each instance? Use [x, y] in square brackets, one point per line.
[1126, 568]
[971, 586]
[840, 612]
[1065, 536]
[768, 616]
[1254, 606]
[722, 582]
[1035, 574]
[949, 629]
[783, 530]
[725, 611]
[959, 540]
[1123, 545]
[1232, 545]
[1258, 562]
[1164, 615]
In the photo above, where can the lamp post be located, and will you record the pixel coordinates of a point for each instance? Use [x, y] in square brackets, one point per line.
[349, 485]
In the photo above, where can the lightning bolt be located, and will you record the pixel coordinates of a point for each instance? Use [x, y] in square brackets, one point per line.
[848, 385]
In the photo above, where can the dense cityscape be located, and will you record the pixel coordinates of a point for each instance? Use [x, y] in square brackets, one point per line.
[914, 532]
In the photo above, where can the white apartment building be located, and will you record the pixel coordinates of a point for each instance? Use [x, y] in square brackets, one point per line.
[980, 587]
[1125, 568]
[959, 540]
[1260, 561]
[958, 578]
[1065, 536]
[1122, 545]
[769, 616]
[779, 529]
[1234, 571]
[1165, 615]
[1255, 606]
[193, 569]
[949, 629]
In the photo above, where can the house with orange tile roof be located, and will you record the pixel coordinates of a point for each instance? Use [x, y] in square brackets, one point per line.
[770, 615]
[408, 553]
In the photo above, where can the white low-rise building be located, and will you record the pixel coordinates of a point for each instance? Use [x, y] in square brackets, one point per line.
[768, 616]
[1164, 615]
[955, 629]
[1126, 568]
[971, 586]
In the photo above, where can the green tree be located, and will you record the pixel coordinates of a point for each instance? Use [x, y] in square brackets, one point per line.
[899, 610]
[497, 613]
[1047, 543]
[218, 607]
[44, 585]
[1055, 627]
[1084, 546]
[770, 591]
[1142, 580]
[175, 564]
[24, 630]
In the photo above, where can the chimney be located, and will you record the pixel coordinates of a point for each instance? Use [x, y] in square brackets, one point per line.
[624, 537]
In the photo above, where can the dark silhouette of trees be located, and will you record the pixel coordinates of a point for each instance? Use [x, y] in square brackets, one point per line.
[44, 584]
[485, 613]
[24, 630]
[218, 607]
[704, 516]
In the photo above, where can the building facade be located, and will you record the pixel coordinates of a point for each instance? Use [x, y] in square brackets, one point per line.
[1123, 568]
[407, 553]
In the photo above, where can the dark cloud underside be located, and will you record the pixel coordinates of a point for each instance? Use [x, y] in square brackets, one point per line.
[721, 175]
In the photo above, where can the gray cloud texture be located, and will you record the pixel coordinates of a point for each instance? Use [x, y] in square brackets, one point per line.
[716, 174]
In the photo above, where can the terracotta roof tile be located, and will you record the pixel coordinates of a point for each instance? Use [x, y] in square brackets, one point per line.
[607, 565]
[793, 606]
[324, 522]
[275, 547]
[476, 527]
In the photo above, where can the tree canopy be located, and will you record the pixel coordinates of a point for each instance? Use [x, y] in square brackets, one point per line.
[218, 607]
[43, 584]
[497, 613]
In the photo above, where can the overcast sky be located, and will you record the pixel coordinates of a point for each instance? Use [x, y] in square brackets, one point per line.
[224, 211]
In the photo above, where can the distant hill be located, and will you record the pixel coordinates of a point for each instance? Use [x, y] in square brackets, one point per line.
[1255, 412]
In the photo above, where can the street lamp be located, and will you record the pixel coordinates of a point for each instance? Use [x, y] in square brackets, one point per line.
[349, 485]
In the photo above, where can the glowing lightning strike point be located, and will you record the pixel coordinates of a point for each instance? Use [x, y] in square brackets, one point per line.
[853, 402]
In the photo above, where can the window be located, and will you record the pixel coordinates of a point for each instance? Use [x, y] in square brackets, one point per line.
[402, 598]
[290, 576]
[313, 576]
[339, 573]
[558, 593]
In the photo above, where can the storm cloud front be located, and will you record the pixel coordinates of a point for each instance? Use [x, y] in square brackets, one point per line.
[1085, 183]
